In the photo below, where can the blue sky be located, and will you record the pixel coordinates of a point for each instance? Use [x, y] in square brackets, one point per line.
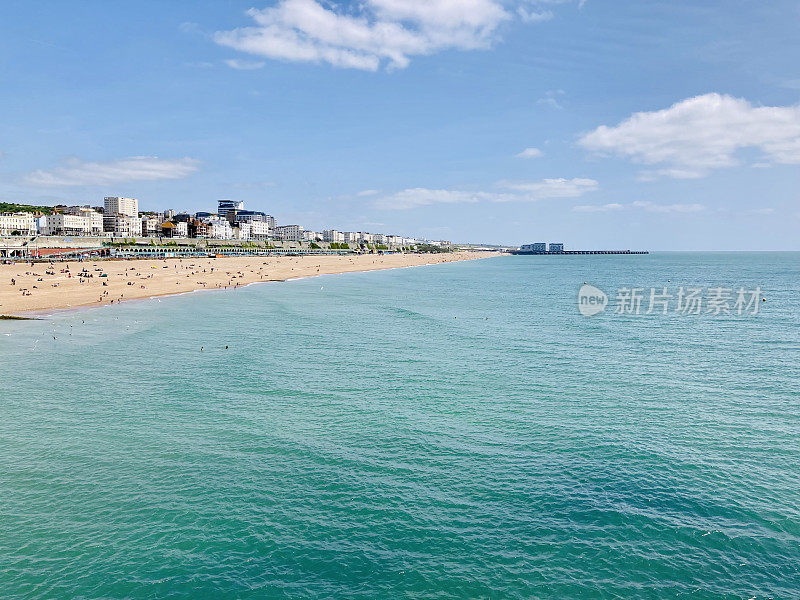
[657, 125]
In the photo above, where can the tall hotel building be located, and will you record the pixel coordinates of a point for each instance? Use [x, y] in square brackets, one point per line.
[121, 216]
[116, 205]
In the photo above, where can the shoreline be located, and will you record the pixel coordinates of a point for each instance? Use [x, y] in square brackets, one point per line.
[41, 289]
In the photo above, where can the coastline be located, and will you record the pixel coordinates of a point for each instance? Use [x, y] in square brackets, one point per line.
[41, 287]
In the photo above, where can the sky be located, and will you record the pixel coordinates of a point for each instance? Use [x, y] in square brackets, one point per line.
[658, 125]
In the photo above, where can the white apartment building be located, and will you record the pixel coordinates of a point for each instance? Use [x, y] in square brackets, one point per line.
[95, 218]
[312, 236]
[20, 223]
[242, 231]
[394, 240]
[151, 226]
[260, 230]
[289, 233]
[70, 224]
[378, 238]
[220, 229]
[351, 237]
[121, 216]
[367, 238]
[332, 236]
[122, 225]
[117, 205]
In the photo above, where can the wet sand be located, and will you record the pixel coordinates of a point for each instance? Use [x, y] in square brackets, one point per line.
[27, 288]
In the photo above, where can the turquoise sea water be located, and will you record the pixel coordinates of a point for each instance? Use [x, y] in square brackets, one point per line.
[453, 431]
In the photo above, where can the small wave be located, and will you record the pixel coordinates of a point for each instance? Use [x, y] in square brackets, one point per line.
[408, 314]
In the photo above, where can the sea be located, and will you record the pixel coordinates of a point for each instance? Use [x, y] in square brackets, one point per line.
[449, 431]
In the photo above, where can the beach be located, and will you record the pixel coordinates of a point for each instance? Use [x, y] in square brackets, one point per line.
[27, 288]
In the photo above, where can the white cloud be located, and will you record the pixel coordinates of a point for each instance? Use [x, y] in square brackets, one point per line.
[377, 32]
[244, 65]
[695, 136]
[533, 16]
[553, 188]
[598, 207]
[136, 168]
[414, 197]
[363, 193]
[530, 153]
[521, 192]
[641, 205]
[551, 99]
[200, 65]
[189, 27]
[668, 208]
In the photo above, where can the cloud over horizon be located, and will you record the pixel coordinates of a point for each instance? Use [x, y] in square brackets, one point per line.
[136, 168]
[697, 135]
[520, 192]
[640, 204]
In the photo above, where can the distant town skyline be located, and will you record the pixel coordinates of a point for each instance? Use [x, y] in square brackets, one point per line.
[660, 125]
[120, 219]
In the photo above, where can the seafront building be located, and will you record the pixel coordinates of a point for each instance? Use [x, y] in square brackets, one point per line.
[17, 224]
[76, 222]
[243, 231]
[94, 217]
[332, 236]
[151, 225]
[116, 205]
[122, 225]
[289, 233]
[219, 229]
[260, 230]
[121, 216]
[172, 229]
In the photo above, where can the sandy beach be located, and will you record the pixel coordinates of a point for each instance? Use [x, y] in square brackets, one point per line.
[27, 288]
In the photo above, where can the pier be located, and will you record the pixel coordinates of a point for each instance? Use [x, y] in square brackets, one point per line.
[571, 252]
